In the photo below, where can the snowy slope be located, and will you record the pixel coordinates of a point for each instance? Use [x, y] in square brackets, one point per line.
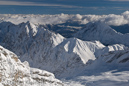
[44, 49]
[110, 68]
[103, 33]
[67, 58]
[69, 54]
[15, 73]
[23, 35]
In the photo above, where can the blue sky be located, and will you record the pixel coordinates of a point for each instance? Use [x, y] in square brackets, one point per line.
[63, 6]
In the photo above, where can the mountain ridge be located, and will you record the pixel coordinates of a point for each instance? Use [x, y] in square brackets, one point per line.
[103, 33]
[14, 72]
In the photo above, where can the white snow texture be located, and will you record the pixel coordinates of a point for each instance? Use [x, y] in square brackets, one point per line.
[96, 55]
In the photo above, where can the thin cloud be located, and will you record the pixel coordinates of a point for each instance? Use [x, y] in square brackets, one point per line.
[19, 3]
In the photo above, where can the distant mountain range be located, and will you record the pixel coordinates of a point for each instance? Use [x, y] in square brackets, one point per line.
[103, 33]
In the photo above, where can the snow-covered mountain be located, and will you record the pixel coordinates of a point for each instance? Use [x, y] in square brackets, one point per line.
[110, 68]
[19, 38]
[38, 45]
[44, 49]
[103, 33]
[15, 73]
[66, 24]
[65, 57]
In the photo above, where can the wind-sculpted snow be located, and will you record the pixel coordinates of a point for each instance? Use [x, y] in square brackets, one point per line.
[103, 33]
[15, 73]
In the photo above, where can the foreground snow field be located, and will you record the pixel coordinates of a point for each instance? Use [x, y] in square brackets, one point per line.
[90, 54]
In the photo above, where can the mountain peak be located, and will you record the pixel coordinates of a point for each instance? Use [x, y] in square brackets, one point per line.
[97, 26]
[103, 33]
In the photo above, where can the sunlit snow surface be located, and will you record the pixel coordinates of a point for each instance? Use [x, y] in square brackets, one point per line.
[76, 62]
[100, 73]
[15, 73]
